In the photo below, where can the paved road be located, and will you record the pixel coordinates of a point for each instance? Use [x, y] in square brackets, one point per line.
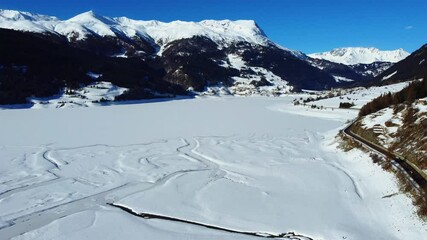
[413, 171]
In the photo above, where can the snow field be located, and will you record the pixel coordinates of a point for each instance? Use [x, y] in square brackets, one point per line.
[359, 96]
[111, 224]
[241, 163]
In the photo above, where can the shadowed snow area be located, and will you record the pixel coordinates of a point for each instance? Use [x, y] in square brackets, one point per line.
[245, 164]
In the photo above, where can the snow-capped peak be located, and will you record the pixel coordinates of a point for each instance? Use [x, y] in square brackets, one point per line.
[90, 23]
[87, 23]
[247, 28]
[91, 17]
[355, 55]
[220, 31]
[25, 21]
[14, 15]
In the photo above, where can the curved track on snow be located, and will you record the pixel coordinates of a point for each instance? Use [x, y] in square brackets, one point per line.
[42, 217]
[289, 235]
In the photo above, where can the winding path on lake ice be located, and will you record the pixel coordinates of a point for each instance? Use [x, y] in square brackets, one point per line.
[244, 164]
[46, 214]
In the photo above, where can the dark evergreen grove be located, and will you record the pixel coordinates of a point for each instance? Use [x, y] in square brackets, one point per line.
[414, 68]
[41, 65]
[415, 90]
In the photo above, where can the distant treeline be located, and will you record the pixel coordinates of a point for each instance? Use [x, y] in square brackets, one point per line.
[415, 90]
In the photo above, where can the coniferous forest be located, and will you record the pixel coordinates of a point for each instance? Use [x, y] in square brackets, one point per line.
[415, 90]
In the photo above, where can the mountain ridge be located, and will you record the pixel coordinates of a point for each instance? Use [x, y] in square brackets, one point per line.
[361, 55]
[89, 23]
[151, 57]
[411, 68]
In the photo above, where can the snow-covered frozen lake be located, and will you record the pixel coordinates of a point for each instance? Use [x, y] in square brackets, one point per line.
[254, 164]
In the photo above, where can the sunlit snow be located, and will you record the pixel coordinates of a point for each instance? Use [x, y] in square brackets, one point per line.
[355, 55]
[248, 164]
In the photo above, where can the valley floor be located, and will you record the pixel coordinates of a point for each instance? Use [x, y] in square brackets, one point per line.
[253, 164]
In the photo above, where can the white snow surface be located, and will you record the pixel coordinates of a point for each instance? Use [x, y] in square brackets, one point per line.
[389, 76]
[342, 79]
[243, 84]
[359, 96]
[379, 118]
[25, 21]
[221, 31]
[251, 164]
[422, 105]
[378, 123]
[91, 95]
[355, 55]
[112, 224]
[89, 23]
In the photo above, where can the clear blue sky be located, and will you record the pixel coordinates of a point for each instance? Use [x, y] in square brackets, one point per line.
[306, 25]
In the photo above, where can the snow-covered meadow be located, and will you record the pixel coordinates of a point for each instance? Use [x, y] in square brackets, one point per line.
[359, 96]
[246, 164]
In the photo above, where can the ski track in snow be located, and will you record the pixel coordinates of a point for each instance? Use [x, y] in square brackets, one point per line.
[250, 183]
[354, 182]
[38, 218]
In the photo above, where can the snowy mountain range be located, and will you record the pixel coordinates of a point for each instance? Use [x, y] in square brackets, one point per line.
[156, 59]
[90, 24]
[357, 55]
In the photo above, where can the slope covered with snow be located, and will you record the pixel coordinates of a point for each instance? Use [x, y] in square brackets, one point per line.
[25, 21]
[401, 128]
[219, 31]
[91, 95]
[356, 55]
[92, 24]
